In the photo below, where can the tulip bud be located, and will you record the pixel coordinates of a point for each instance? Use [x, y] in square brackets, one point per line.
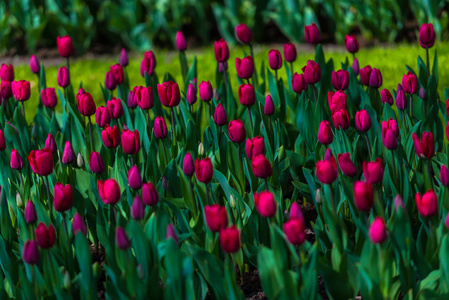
[312, 34]
[269, 106]
[96, 163]
[299, 83]
[236, 130]
[35, 65]
[290, 52]
[110, 137]
[401, 100]
[378, 231]
[326, 170]
[346, 165]
[181, 41]
[351, 43]
[50, 143]
[375, 79]
[102, 116]
[63, 77]
[325, 135]
[124, 58]
[232, 201]
[373, 171]
[149, 194]
[247, 95]
[220, 117]
[7, 73]
[188, 167]
[318, 196]
[363, 121]
[170, 233]
[444, 176]
[45, 236]
[340, 80]
[115, 107]
[85, 104]
[204, 170]
[410, 83]
[261, 166]
[21, 90]
[385, 97]
[312, 72]
[137, 209]
[191, 94]
[355, 66]
[398, 202]
[243, 34]
[426, 35]
[427, 205]
[295, 231]
[340, 118]
[134, 178]
[148, 64]
[422, 93]
[275, 59]
[79, 160]
[16, 160]
[117, 71]
[41, 161]
[121, 239]
[78, 225]
[424, 148]
[363, 195]
[130, 141]
[48, 97]
[230, 239]
[109, 191]
[244, 67]
[160, 128]
[254, 147]
[30, 213]
[30, 253]
[206, 91]
[365, 74]
[164, 183]
[336, 100]
[19, 201]
[221, 50]
[169, 94]
[265, 204]
[201, 149]
[63, 197]
[66, 280]
[65, 46]
[109, 81]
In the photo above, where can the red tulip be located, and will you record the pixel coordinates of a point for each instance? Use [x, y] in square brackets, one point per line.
[41, 161]
[30, 252]
[63, 197]
[244, 67]
[30, 213]
[341, 119]
[312, 72]
[78, 225]
[143, 96]
[390, 134]
[325, 135]
[365, 74]
[149, 194]
[221, 50]
[137, 209]
[401, 100]
[254, 147]
[5, 90]
[169, 94]
[188, 167]
[115, 108]
[96, 163]
[65, 46]
[424, 148]
[7, 73]
[148, 64]
[236, 130]
[295, 212]
[346, 165]
[21, 90]
[63, 77]
[216, 217]
[290, 52]
[326, 170]
[50, 143]
[16, 160]
[363, 121]
[375, 78]
[102, 116]
[220, 117]
[130, 141]
[230, 239]
[265, 204]
[243, 34]
[373, 171]
[426, 35]
[204, 170]
[261, 166]
[181, 44]
[378, 231]
[117, 71]
[206, 91]
[121, 239]
[68, 156]
[299, 83]
[336, 100]
[385, 96]
[363, 195]
[109, 191]
[275, 59]
[123, 58]
[110, 137]
[269, 106]
[247, 95]
[410, 83]
[340, 79]
[351, 43]
[160, 128]
[312, 34]
[45, 236]
[295, 231]
[48, 97]
[134, 178]
[109, 82]
[427, 205]
[35, 66]
[86, 104]
[191, 94]
[444, 175]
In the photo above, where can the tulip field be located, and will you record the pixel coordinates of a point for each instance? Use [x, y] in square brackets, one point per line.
[308, 176]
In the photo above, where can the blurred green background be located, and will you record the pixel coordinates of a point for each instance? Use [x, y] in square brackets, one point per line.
[101, 25]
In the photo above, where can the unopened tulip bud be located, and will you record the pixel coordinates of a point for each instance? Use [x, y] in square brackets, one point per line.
[269, 106]
[191, 94]
[79, 160]
[363, 195]
[351, 43]
[201, 149]
[422, 93]
[444, 176]
[149, 194]
[30, 213]
[124, 58]
[221, 50]
[424, 148]
[373, 171]
[243, 34]
[16, 160]
[274, 59]
[363, 121]
[398, 202]
[78, 225]
[67, 281]
[109, 82]
[365, 74]
[204, 170]
[188, 167]
[96, 163]
[232, 201]
[318, 196]
[170, 233]
[30, 252]
[45, 236]
[230, 239]
[385, 97]
[63, 77]
[261, 166]
[63, 197]
[19, 201]
[121, 239]
[181, 41]
[134, 178]
[35, 65]
[290, 52]
[137, 209]
[265, 204]
[295, 231]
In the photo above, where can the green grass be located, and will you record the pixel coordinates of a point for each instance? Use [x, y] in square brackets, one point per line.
[390, 60]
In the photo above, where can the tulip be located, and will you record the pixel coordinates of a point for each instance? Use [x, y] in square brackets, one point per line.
[117, 71]
[45, 236]
[63, 77]
[16, 160]
[35, 66]
[160, 128]
[398, 202]
[21, 90]
[65, 46]
[130, 141]
[206, 91]
[390, 134]
[115, 108]
[137, 209]
[148, 64]
[290, 52]
[401, 101]
[295, 231]
[325, 135]
[170, 233]
[85, 104]
[102, 116]
[41, 161]
[312, 34]
[121, 239]
[134, 178]
[385, 97]
[96, 163]
[79, 160]
[109, 191]
[375, 79]
[5, 90]
[427, 205]
[2, 141]
[299, 83]
[444, 175]
[220, 117]
[169, 94]
[269, 106]
[181, 41]
[201, 149]
[222, 67]
[78, 225]
[346, 165]
[326, 170]
[365, 74]
[63, 197]
[7, 73]
[378, 231]
[424, 148]
[30, 213]
[410, 83]
[204, 170]
[188, 167]
[109, 82]
[230, 239]
[351, 43]
[265, 204]
[243, 34]
[236, 130]
[312, 72]
[244, 67]
[295, 211]
[110, 137]
[30, 252]
[123, 58]
[373, 171]
[50, 143]
[340, 79]
[261, 166]
[48, 97]
[336, 100]
[191, 94]
[341, 119]
[355, 66]
[363, 121]
[426, 35]
[144, 97]
[422, 93]
[149, 194]
[68, 156]
[255, 146]
[216, 217]
[363, 195]
[275, 59]
[247, 95]
[221, 50]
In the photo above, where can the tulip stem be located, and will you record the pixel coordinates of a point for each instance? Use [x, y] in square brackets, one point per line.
[404, 123]
[314, 93]
[23, 110]
[266, 184]
[48, 194]
[90, 134]
[291, 67]
[367, 144]
[68, 64]
[250, 120]
[207, 195]
[21, 181]
[411, 108]
[255, 79]
[331, 192]
[395, 173]
[65, 225]
[225, 80]
[36, 287]
[276, 74]
[427, 56]
[173, 125]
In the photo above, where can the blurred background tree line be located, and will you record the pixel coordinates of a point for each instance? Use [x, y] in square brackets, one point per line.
[102, 25]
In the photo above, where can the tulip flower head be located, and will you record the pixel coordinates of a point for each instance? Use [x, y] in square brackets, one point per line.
[243, 34]
[109, 191]
[427, 204]
[363, 195]
[265, 204]
[351, 43]
[426, 36]
[424, 148]
[204, 170]
[230, 239]
[373, 171]
[312, 34]
[216, 217]
[63, 197]
[378, 231]
[261, 166]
